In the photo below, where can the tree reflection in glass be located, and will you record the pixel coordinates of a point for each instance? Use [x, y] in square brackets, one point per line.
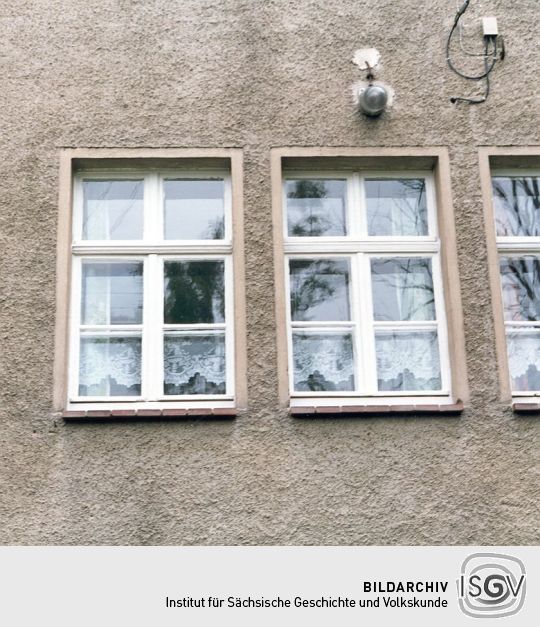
[194, 209]
[516, 201]
[396, 207]
[316, 207]
[319, 289]
[520, 277]
[194, 292]
[402, 288]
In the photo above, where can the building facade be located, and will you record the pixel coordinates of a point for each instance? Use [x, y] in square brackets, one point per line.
[236, 310]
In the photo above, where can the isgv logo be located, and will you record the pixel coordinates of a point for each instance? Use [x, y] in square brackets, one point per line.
[491, 585]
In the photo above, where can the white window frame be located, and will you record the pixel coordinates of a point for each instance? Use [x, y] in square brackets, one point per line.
[359, 248]
[516, 246]
[153, 250]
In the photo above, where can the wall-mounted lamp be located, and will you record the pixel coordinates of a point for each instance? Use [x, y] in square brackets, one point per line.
[372, 99]
[370, 96]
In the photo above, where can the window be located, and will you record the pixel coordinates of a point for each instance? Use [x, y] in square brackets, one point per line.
[516, 205]
[363, 306]
[152, 290]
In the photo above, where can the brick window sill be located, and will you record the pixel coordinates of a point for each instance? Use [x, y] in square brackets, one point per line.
[526, 408]
[365, 410]
[196, 412]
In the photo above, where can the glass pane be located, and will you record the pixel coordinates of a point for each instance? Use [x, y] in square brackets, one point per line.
[516, 201]
[110, 366]
[520, 280]
[194, 209]
[113, 210]
[407, 361]
[320, 289]
[402, 289]
[323, 362]
[194, 292]
[396, 207]
[316, 207]
[524, 359]
[194, 364]
[112, 293]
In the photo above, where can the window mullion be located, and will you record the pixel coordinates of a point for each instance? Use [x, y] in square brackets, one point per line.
[152, 327]
[366, 325]
[152, 208]
[359, 182]
[354, 219]
[356, 316]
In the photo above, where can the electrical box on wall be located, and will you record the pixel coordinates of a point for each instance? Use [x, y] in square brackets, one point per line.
[489, 26]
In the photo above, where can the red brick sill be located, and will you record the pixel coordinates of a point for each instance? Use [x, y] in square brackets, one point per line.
[363, 410]
[526, 408]
[198, 412]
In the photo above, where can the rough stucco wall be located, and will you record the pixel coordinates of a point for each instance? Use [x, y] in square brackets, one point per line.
[251, 74]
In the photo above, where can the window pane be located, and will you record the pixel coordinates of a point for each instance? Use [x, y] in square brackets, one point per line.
[112, 293]
[402, 289]
[396, 207]
[520, 278]
[194, 209]
[524, 359]
[194, 364]
[407, 361]
[320, 289]
[194, 292]
[113, 210]
[323, 362]
[516, 201]
[316, 207]
[110, 366]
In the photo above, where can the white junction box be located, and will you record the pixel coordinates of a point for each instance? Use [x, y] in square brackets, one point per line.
[489, 26]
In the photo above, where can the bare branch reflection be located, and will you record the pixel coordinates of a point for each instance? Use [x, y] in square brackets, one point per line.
[521, 288]
[403, 288]
[316, 207]
[517, 204]
[396, 207]
[319, 289]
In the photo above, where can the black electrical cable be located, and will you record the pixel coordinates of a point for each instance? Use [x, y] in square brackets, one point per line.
[486, 94]
[467, 76]
[488, 66]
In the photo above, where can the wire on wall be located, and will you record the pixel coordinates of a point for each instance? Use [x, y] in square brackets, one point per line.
[491, 54]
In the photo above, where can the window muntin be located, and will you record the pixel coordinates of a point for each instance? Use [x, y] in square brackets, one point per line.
[366, 313]
[516, 200]
[155, 314]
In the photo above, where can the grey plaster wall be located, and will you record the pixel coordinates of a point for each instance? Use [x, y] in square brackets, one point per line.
[250, 74]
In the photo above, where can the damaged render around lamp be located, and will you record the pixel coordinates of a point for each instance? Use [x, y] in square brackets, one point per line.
[371, 97]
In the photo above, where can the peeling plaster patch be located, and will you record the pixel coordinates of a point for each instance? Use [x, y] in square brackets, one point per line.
[366, 58]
